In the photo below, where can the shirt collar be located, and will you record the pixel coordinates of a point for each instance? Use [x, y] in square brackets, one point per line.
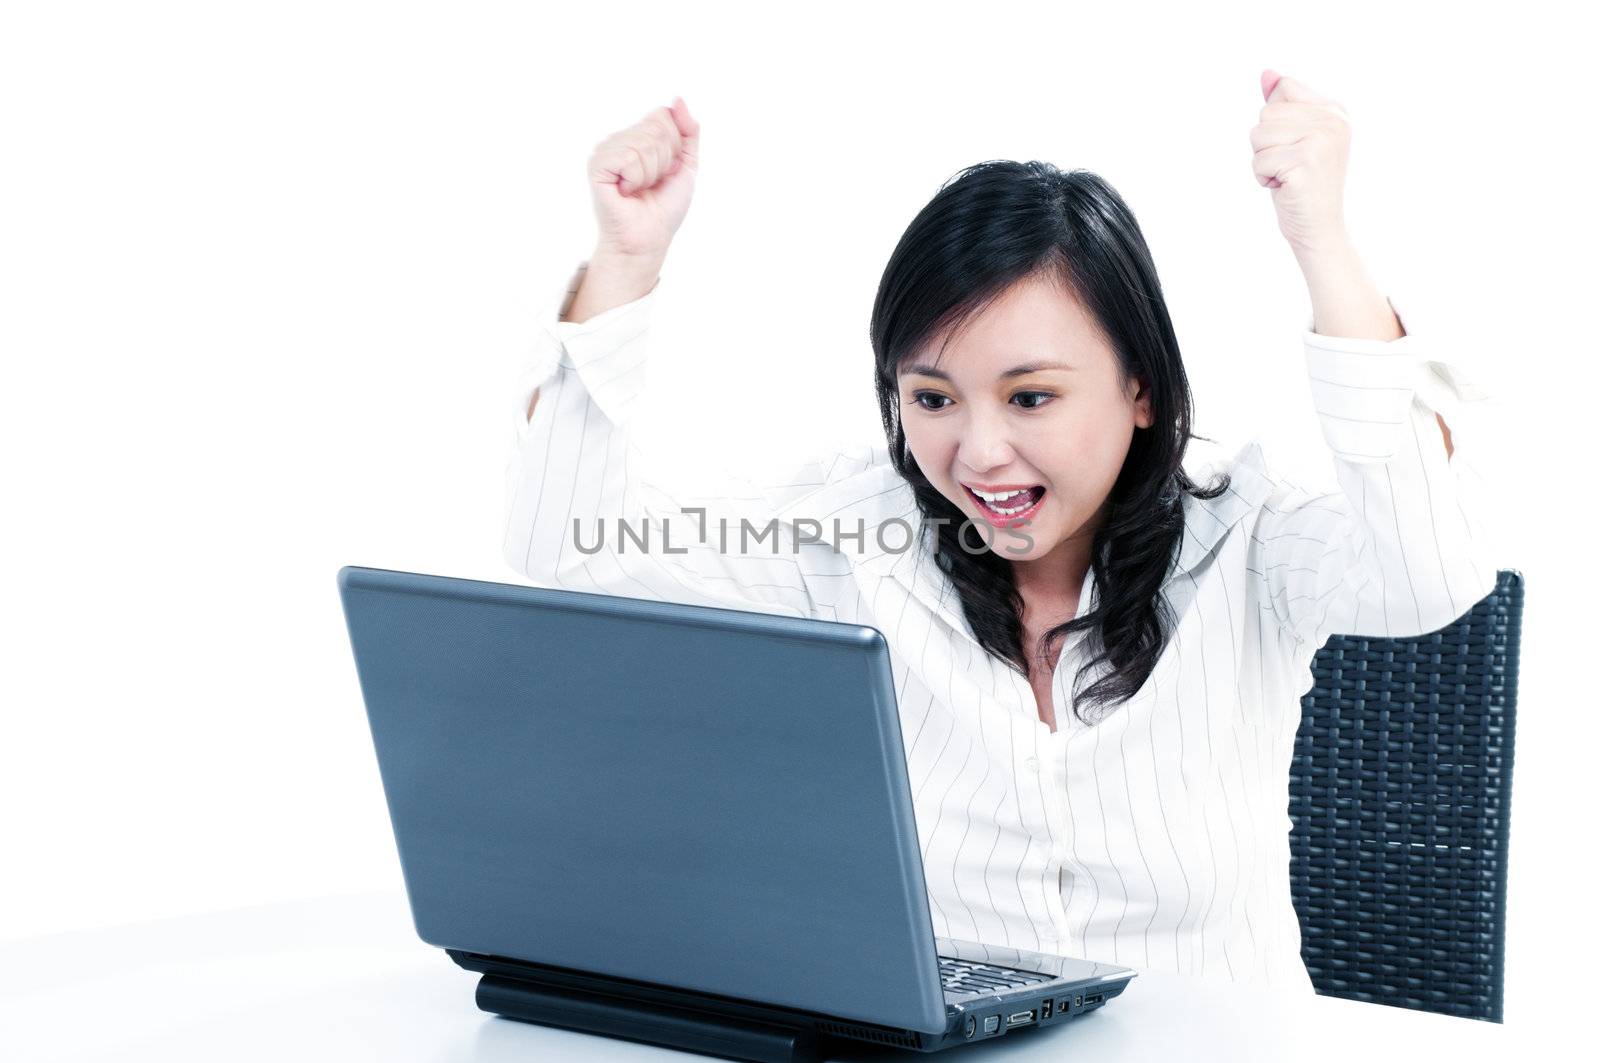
[1206, 522]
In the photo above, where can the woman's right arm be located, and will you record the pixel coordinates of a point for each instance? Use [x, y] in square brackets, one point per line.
[580, 517]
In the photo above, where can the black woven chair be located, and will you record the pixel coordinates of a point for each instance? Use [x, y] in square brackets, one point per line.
[1400, 795]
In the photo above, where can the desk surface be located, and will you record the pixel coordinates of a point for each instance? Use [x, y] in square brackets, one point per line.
[344, 978]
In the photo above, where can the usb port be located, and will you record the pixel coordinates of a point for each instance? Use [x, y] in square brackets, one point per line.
[1020, 1018]
[1044, 1010]
[1095, 999]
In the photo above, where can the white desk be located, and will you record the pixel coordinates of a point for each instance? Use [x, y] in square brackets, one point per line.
[344, 978]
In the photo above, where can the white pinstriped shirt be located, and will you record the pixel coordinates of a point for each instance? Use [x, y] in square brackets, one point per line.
[1156, 837]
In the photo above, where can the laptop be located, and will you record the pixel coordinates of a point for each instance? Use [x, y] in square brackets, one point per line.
[670, 823]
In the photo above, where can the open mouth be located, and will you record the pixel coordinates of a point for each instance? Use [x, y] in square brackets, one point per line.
[1010, 510]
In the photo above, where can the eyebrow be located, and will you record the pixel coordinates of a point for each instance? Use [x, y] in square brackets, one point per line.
[925, 369]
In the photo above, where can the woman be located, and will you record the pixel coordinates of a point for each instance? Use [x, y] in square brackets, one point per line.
[1027, 521]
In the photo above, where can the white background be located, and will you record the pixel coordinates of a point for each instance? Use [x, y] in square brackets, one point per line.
[267, 270]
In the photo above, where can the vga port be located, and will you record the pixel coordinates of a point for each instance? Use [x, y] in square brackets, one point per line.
[1019, 1018]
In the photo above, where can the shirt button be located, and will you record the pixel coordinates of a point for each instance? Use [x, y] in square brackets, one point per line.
[1032, 763]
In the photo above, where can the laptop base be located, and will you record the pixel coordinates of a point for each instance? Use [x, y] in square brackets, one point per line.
[651, 1023]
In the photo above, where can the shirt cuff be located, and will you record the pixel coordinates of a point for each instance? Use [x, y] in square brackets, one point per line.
[607, 350]
[1363, 389]
[585, 340]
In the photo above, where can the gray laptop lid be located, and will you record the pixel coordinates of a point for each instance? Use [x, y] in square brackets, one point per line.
[706, 798]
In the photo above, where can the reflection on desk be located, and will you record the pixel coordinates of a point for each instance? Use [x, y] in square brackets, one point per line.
[344, 978]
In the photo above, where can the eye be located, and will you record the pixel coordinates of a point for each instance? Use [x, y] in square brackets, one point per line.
[917, 398]
[1043, 396]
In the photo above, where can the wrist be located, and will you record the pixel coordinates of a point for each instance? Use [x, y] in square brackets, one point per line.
[611, 279]
[1329, 245]
[1345, 301]
[635, 265]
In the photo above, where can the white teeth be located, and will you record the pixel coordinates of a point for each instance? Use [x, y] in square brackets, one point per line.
[987, 497]
[1005, 511]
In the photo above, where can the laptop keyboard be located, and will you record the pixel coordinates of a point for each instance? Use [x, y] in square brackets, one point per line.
[961, 976]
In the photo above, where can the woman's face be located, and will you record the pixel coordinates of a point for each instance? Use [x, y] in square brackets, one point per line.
[1026, 396]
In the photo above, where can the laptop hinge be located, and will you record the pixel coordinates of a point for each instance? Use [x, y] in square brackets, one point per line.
[636, 1020]
[634, 1011]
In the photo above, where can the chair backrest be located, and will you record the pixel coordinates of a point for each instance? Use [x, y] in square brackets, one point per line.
[1400, 795]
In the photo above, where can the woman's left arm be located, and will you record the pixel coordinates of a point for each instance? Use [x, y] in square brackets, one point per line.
[1401, 549]
[1301, 147]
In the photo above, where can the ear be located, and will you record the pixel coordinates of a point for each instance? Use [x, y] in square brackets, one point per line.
[1143, 416]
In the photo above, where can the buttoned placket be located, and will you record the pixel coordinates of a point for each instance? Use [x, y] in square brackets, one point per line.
[1049, 759]
[1041, 766]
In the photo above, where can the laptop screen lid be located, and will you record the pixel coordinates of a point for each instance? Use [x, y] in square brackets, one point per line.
[712, 799]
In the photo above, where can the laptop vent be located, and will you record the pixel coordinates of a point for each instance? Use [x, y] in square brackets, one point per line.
[867, 1033]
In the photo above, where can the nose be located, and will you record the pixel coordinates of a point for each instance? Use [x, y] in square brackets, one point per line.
[986, 445]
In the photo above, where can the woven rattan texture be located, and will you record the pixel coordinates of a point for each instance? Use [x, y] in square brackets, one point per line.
[1400, 795]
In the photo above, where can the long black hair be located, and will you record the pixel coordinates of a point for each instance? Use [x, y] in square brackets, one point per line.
[989, 226]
